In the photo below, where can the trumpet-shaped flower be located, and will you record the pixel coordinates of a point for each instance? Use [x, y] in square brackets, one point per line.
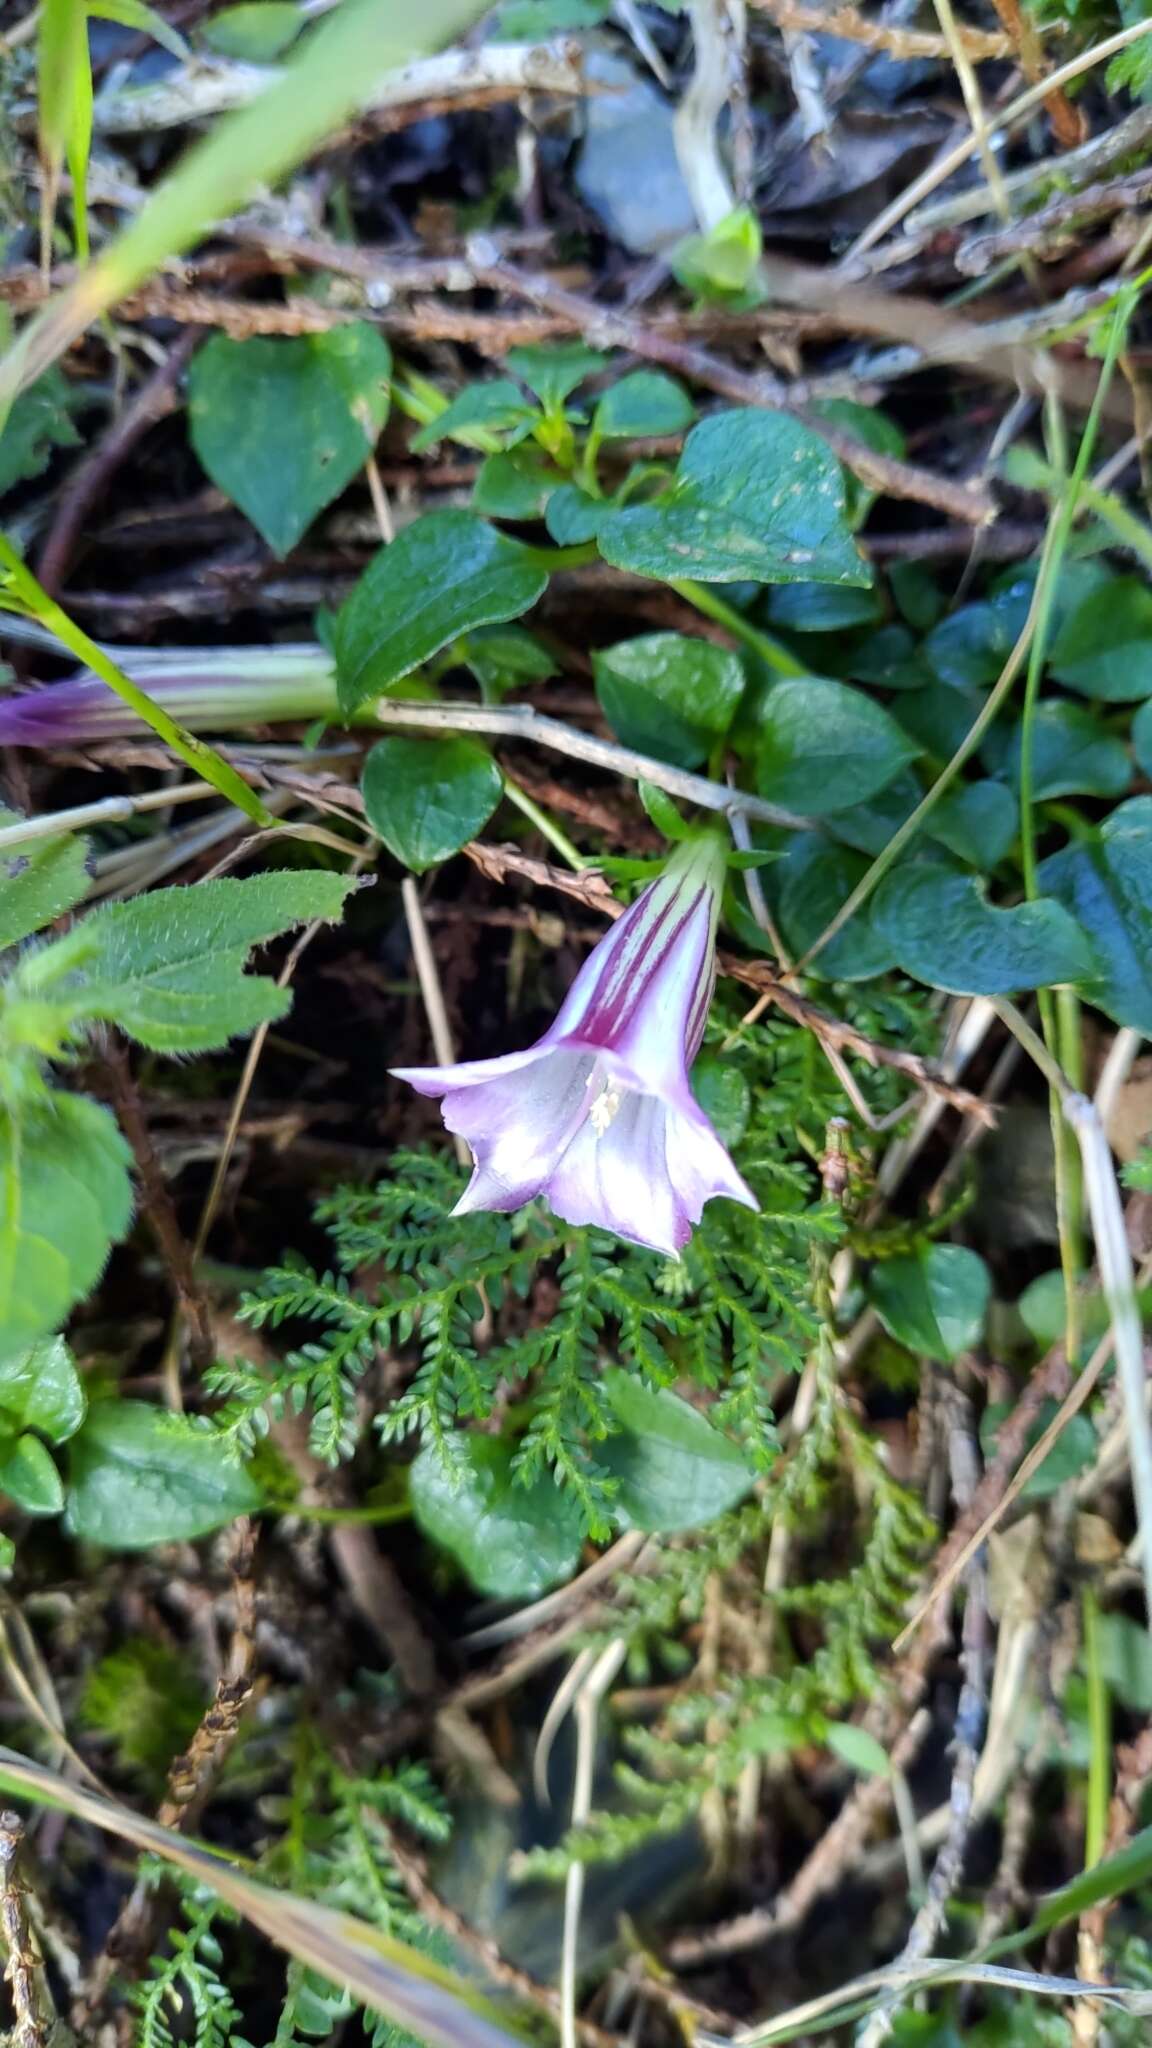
[208, 690]
[598, 1116]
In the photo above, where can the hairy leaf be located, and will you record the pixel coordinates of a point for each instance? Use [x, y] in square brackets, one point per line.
[39, 880]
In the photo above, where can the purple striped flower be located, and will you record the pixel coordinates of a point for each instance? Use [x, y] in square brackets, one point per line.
[207, 689]
[598, 1116]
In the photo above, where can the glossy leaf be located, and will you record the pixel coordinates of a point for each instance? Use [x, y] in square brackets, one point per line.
[512, 1541]
[443, 575]
[515, 485]
[1104, 648]
[825, 747]
[668, 694]
[29, 1477]
[672, 1469]
[41, 1389]
[426, 797]
[942, 929]
[1105, 880]
[504, 658]
[39, 880]
[168, 968]
[282, 424]
[646, 402]
[755, 495]
[1072, 754]
[139, 1476]
[934, 1300]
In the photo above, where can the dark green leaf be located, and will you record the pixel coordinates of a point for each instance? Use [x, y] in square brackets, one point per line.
[499, 408]
[283, 424]
[814, 878]
[644, 403]
[29, 1477]
[572, 515]
[1125, 1647]
[64, 1197]
[168, 968]
[554, 370]
[825, 747]
[138, 1476]
[669, 695]
[1072, 754]
[38, 881]
[1104, 648]
[821, 607]
[934, 1300]
[513, 1541]
[514, 485]
[41, 1389]
[1105, 880]
[672, 1469]
[944, 931]
[755, 495]
[1142, 738]
[427, 797]
[502, 658]
[977, 821]
[869, 826]
[443, 575]
[40, 420]
[969, 648]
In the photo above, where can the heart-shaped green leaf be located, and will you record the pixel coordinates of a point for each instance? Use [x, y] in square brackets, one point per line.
[443, 575]
[283, 424]
[1105, 880]
[934, 1301]
[672, 1469]
[138, 1476]
[942, 929]
[669, 695]
[825, 747]
[427, 797]
[513, 1541]
[756, 495]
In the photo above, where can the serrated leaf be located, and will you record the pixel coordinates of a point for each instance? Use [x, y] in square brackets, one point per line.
[942, 929]
[755, 495]
[38, 882]
[644, 403]
[29, 1477]
[825, 746]
[41, 1389]
[934, 1300]
[65, 1196]
[442, 576]
[669, 695]
[283, 424]
[426, 797]
[1105, 880]
[512, 1541]
[138, 1475]
[497, 409]
[672, 1469]
[168, 968]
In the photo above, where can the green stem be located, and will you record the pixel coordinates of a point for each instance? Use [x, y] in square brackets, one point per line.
[1099, 1734]
[772, 652]
[33, 599]
[545, 825]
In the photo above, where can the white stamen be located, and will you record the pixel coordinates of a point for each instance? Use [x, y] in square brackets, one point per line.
[603, 1109]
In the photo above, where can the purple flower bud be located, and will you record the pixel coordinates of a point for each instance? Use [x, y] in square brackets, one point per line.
[598, 1116]
[208, 690]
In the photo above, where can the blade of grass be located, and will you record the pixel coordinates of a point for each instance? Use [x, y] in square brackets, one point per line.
[386, 1975]
[21, 592]
[336, 71]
